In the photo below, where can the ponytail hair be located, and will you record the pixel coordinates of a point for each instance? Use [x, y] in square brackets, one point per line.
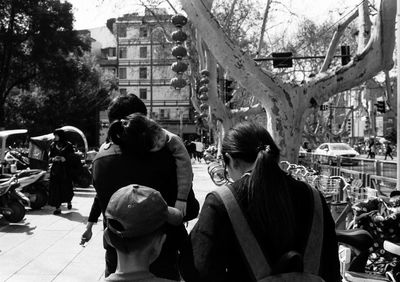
[135, 135]
[267, 190]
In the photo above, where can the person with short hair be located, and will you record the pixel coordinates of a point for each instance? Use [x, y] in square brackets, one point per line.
[115, 167]
[136, 224]
[148, 136]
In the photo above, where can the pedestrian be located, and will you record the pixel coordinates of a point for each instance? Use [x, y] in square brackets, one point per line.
[136, 219]
[115, 167]
[61, 156]
[146, 135]
[388, 151]
[278, 209]
[199, 150]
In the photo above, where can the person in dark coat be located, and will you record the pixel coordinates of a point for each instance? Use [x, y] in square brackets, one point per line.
[278, 209]
[388, 151]
[61, 156]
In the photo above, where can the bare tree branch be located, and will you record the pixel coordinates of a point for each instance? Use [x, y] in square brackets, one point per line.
[335, 40]
[248, 111]
[261, 42]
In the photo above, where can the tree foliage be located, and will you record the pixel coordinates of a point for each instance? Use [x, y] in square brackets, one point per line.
[36, 40]
[76, 103]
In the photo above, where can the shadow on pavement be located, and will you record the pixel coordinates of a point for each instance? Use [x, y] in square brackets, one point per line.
[18, 228]
[73, 216]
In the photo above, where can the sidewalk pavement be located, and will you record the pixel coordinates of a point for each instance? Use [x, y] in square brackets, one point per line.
[45, 247]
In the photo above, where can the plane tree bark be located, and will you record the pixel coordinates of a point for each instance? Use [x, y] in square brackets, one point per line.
[287, 104]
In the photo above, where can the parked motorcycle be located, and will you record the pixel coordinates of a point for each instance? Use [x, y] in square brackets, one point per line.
[33, 183]
[12, 202]
[360, 241]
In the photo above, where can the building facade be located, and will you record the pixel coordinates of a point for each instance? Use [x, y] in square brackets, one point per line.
[144, 68]
[136, 49]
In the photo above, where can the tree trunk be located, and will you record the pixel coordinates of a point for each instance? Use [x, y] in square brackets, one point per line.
[286, 104]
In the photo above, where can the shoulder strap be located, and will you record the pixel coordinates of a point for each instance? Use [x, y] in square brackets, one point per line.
[312, 252]
[247, 241]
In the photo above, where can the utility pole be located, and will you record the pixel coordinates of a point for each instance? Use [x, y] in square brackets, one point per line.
[398, 91]
[151, 72]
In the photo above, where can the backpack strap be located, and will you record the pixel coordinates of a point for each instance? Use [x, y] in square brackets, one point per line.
[312, 252]
[248, 243]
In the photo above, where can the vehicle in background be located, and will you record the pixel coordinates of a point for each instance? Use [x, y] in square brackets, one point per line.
[302, 152]
[330, 153]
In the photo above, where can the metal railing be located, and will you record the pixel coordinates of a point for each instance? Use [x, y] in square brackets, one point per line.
[374, 173]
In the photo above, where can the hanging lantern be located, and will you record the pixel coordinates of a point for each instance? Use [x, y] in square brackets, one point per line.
[179, 20]
[204, 80]
[203, 89]
[179, 52]
[203, 115]
[205, 73]
[203, 97]
[178, 82]
[179, 36]
[179, 67]
[204, 107]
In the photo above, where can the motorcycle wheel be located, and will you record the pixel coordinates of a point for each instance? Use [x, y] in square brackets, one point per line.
[41, 200]
[18, 212]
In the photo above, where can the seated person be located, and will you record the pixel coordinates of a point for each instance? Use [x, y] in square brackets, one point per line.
[136, 217]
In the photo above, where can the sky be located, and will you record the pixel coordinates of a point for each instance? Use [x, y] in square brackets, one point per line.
[94, 13]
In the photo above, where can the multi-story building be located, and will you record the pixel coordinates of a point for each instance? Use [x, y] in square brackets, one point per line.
[144, 68]
[136, 49]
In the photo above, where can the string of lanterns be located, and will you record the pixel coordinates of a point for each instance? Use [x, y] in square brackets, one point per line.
[179, 51]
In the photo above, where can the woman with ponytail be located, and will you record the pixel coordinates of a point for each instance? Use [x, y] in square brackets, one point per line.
[278, 209]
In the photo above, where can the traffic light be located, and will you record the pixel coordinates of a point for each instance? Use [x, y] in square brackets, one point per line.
[348, 125]
[345, 52]
[381, 106]
[282, 60]
[229, 88]
[367, 123]
[323, 107]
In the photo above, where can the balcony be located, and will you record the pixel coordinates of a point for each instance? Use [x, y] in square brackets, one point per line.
[144, 82]
[147, 62]
[168, 103]
[142, 41]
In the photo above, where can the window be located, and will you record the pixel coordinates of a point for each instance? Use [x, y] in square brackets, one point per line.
[122, 73]
[122, 30]
[143, 93]
[122, 91]
[143, 73]
[123, 53]
[143, 52]
[112, 52]
[143, 32]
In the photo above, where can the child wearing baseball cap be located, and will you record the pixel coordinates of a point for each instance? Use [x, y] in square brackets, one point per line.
[136, 217]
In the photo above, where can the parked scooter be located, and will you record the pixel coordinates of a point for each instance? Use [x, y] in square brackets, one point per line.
[12, 202]
[34, 183]
[360, 241]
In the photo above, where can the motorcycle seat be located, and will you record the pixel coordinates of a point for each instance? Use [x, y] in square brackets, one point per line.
[357, 238]
[392, 247]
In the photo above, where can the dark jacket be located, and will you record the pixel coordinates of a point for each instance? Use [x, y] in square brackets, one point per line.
[60, 186]
[212, 252]
[113, 170]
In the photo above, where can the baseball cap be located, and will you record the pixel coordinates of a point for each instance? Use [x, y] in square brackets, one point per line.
[137, 210]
